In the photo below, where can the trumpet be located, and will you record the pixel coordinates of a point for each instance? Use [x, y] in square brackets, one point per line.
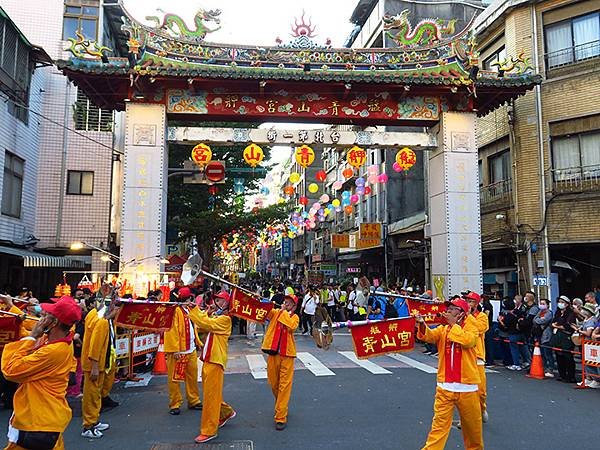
[20, 316]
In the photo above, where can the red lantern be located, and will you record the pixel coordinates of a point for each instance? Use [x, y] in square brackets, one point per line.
[303, 200]
[367, 190]
[289, 190]
[212, 190]
[321, 175]
[347, 173]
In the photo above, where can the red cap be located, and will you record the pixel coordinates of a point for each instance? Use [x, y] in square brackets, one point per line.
[460, 303]
[224, 295]
[184, 292]
[65, 310]
[293, 298]
[473, 296]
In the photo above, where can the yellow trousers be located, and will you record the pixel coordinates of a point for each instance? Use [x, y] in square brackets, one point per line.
[467, 404]
[280, 373]
[214, 408]
[92, 399]
[191, 381]
[482, 388]
[60, 445]
[109, 380]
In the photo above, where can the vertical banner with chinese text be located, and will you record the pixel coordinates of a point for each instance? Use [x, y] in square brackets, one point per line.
[379, 338]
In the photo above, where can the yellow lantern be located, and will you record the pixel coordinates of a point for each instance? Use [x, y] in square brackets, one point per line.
[313, 188]
[356, 156]
[304, 155]
[294, 177]
[406, 158]
[201, 154]
[253, 155]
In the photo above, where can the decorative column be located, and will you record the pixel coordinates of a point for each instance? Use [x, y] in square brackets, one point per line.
[454, 212]
[144, 212]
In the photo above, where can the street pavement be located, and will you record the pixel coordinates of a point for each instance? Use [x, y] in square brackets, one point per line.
[383, 404]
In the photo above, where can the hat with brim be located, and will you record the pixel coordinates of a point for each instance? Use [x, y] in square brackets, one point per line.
[292, 298]
[65, 310]
[589, 308]
[459, 303]
[223, 295]
[565, 299]
[472, 296]
[184, 292]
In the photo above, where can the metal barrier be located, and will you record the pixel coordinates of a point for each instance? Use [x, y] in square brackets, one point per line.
[135, 343]
[590, 356]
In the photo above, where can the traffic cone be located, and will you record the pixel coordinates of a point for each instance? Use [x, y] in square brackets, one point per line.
[537, 364]
[160, 363]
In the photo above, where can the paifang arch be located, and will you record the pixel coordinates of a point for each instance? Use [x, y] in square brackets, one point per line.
[173, 73]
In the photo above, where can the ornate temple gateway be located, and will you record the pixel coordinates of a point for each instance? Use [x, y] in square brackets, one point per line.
[430, 79]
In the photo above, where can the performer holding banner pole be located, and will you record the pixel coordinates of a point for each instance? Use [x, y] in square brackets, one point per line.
[279, 344]
[457, 378]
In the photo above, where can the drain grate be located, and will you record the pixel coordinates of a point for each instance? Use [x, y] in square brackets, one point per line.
[230, 445]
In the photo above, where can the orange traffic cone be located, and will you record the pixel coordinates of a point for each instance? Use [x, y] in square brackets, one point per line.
[537, 364]
[160, 363]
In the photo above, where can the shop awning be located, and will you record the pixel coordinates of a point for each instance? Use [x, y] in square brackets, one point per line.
[33, 259]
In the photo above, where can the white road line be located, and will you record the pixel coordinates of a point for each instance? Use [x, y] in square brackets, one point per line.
[314, 365]
[365, 364]
[413, 363]
[258, 366]
[145, 379]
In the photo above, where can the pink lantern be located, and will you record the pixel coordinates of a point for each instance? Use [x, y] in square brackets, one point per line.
[354, 198]
[316, 206]
[383, 178]
[337, 185]
[324, 198]
[372, 170]
[373, 179]
[397, 167]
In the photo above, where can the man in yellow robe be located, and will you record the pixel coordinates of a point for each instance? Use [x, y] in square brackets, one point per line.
[41, 363]
[279, 344]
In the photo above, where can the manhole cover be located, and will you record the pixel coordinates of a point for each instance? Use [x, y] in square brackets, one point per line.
[231, 445]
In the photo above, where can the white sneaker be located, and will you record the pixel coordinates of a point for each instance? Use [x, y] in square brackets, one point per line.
[593, 384]
[549, 375]
[518, 368]
[91, 433]
[485, 417]
[101, 426]
[583, 383]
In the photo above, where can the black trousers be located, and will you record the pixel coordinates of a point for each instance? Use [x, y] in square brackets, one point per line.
[566, 365]
[307, 322]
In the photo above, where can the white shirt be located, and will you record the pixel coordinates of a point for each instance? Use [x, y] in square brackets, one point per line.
[309, 304]
[331, 299]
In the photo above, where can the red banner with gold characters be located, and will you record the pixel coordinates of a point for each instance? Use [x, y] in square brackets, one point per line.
[10, 329]
[146, 316]
[247, 307]
[387, 336]
[430, 310]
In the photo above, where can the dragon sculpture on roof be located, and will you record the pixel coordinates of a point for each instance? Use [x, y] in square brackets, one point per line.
[176, 26]
[426, 32]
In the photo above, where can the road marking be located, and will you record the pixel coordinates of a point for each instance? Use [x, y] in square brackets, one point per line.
[314, 365]
[144, 380]
[413, 363]
[365, 364]
[258, 366]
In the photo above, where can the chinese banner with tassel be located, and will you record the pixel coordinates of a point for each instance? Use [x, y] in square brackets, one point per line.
[381, 337]
[247, 307]
[430, 310]
[10, 330]
[146, 316]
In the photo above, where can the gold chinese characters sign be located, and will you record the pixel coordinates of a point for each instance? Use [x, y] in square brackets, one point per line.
[253, 155]
[379, 338]
[201, 154]
[340, 241]
[247, 307]
[369, 231]
[356, 156]
[304, 155]
[146, 316]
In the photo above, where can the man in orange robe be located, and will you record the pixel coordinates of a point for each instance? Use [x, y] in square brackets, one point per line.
[279, 344]
[457, 377]
[41, 363]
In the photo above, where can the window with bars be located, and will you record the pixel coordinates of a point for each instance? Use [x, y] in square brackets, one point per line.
[82, 16]
[576, 156]
[80, 182]
[12, 185]
[572, 40]
[88, 117]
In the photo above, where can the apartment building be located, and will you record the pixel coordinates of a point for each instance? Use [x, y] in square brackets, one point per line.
[540, 156]
[76, 198]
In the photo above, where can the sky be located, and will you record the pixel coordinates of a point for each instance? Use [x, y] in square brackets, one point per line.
[260, 22]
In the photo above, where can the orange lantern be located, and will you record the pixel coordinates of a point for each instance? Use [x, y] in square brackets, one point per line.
[356, 156]
[304, 155]
[321, 175]
[289, 190]
[253, 155]
[348, 209]
[406, 158]
[347, 173]
[201, 154]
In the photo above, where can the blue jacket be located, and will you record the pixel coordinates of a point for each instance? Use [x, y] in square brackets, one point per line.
[377, 302]
[401, 307]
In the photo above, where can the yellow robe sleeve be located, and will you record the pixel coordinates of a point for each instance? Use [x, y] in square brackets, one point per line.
[429, 335]
[466, 336]
[289, 321]
[20, 363]
[97, 351]
[480, 323]
[216, 325]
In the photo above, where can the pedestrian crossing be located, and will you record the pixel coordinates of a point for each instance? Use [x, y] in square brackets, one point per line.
[365, 363]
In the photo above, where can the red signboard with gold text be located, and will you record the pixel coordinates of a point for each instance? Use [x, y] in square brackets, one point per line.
[10, 328]
[431, 310]
[148, 316]
[379, 338]
[247, 307]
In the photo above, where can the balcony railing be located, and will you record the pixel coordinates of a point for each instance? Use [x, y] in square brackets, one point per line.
[496, 192]
[571, 55]
[576, 179]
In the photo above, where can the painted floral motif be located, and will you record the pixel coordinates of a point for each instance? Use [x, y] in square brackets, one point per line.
[180, 101]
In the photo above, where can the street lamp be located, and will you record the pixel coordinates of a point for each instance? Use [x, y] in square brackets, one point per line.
[78, 245]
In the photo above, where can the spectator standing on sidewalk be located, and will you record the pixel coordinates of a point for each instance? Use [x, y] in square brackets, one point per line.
[563, 327]
[586, 330]
[309, 306]
[503, 321]
[488, 309]
[542, 331]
